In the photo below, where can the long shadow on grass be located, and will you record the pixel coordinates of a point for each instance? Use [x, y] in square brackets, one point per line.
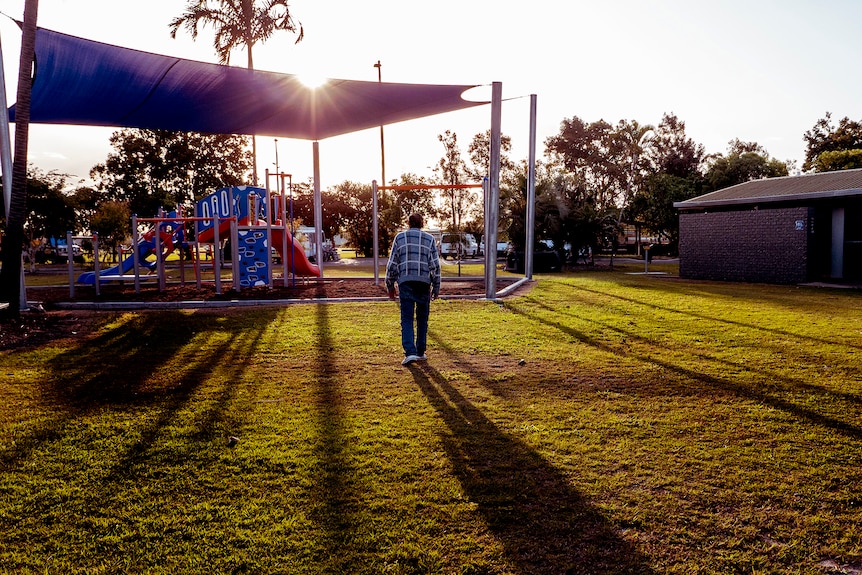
[544, 524]
[770, 378]
[709, 382]
[120, 370]
[701, 316]
[336, 492]
[88, 382]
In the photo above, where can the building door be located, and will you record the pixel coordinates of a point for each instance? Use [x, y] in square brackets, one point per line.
[837, 267]
[853, 242]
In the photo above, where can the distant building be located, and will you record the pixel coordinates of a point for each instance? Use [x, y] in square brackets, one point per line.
[785, 230]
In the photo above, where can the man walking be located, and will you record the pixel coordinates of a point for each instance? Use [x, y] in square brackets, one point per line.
[415, 266]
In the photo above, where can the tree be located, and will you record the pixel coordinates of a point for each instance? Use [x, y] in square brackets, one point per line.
[300, 203]
[50, 211]
[838, 160]
[627, 147]
[112, 221]
[479, 169]
[565, 210]
[587, 151]
[451, 170]
[672, 152]
[402, 203]
[238, 23]
[605, 167]
[745, 161]
[152, 169]
[653, 207]
[10, 273]
[824, 137]
[675, 175]
[85, 201]
[479, 151]
[358, 218]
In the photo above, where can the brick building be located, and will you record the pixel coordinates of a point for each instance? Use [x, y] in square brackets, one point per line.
[779, 230]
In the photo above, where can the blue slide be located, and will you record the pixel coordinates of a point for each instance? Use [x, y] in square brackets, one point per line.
[145, 247]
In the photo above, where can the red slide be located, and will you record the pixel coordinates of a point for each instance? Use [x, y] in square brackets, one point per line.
[296, 263]
[207, 235]
[299, 264]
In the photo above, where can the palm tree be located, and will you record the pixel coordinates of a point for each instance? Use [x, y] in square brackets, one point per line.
[10, 274]
[632, 139]
[238, 23]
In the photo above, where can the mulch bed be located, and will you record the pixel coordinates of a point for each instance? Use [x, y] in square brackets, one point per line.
[48, 297]
[45, 322]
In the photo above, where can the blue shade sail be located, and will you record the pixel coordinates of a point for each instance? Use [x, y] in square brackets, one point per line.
[82, 82]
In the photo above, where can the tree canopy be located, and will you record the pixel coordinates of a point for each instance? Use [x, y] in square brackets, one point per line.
[745, 161]
[238, 23]
[152, 169]
[826, 138]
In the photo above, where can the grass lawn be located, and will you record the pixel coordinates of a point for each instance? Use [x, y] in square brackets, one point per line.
[602, 423]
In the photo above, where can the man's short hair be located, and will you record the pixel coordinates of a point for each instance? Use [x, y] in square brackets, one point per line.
[415, 220]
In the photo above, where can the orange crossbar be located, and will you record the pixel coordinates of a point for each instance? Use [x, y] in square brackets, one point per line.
[431, 187]
[185, 219]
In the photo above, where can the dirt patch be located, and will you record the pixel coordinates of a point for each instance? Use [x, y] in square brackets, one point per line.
[49, 297]
[45, 322]
[36, 328]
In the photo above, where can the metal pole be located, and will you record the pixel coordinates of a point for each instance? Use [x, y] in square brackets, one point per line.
[374, 231]
[379, 67]
[374, 206]
[269, 222]
[178, 236]
[318, 209]
[279, 189]
[136, 256]
[71, 265]
[234, 252]
[160, 262]
[531, 194]
[197, 263]
[234, 235]
[285, 244]
[97, 276]
[494, 189]
[490, 256]
[217, 251]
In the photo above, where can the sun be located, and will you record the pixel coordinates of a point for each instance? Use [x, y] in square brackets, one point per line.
[311, 81]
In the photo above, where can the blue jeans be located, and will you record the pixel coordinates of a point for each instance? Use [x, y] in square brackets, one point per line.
[415, 298]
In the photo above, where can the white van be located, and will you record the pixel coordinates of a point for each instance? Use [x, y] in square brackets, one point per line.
[459, 245]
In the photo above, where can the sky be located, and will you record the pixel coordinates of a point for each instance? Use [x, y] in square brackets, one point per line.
[758, 70]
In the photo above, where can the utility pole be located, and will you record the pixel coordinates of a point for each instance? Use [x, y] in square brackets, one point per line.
[379, 67]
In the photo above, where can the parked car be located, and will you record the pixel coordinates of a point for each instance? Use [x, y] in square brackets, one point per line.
[503, 249]
[459, 245]
[59, 254]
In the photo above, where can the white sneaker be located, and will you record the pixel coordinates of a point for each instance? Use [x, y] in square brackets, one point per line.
[410, 359]
[422, 357]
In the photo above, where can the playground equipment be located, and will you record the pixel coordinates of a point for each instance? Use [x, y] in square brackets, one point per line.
[170, 234]
[260, 228]
[244, 215]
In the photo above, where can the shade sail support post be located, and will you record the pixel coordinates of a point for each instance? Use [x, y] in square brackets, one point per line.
[318, 209]
[531, 194]
[491, 223]
[375, 231]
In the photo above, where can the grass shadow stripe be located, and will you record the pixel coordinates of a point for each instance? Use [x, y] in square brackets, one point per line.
[543, 523]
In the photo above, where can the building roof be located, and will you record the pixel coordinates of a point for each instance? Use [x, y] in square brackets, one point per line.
[823, 185]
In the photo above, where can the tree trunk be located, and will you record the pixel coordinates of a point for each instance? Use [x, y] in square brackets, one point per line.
[10, 274]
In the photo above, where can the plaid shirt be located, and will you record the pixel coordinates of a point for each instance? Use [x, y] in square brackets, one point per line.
[414, 258]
